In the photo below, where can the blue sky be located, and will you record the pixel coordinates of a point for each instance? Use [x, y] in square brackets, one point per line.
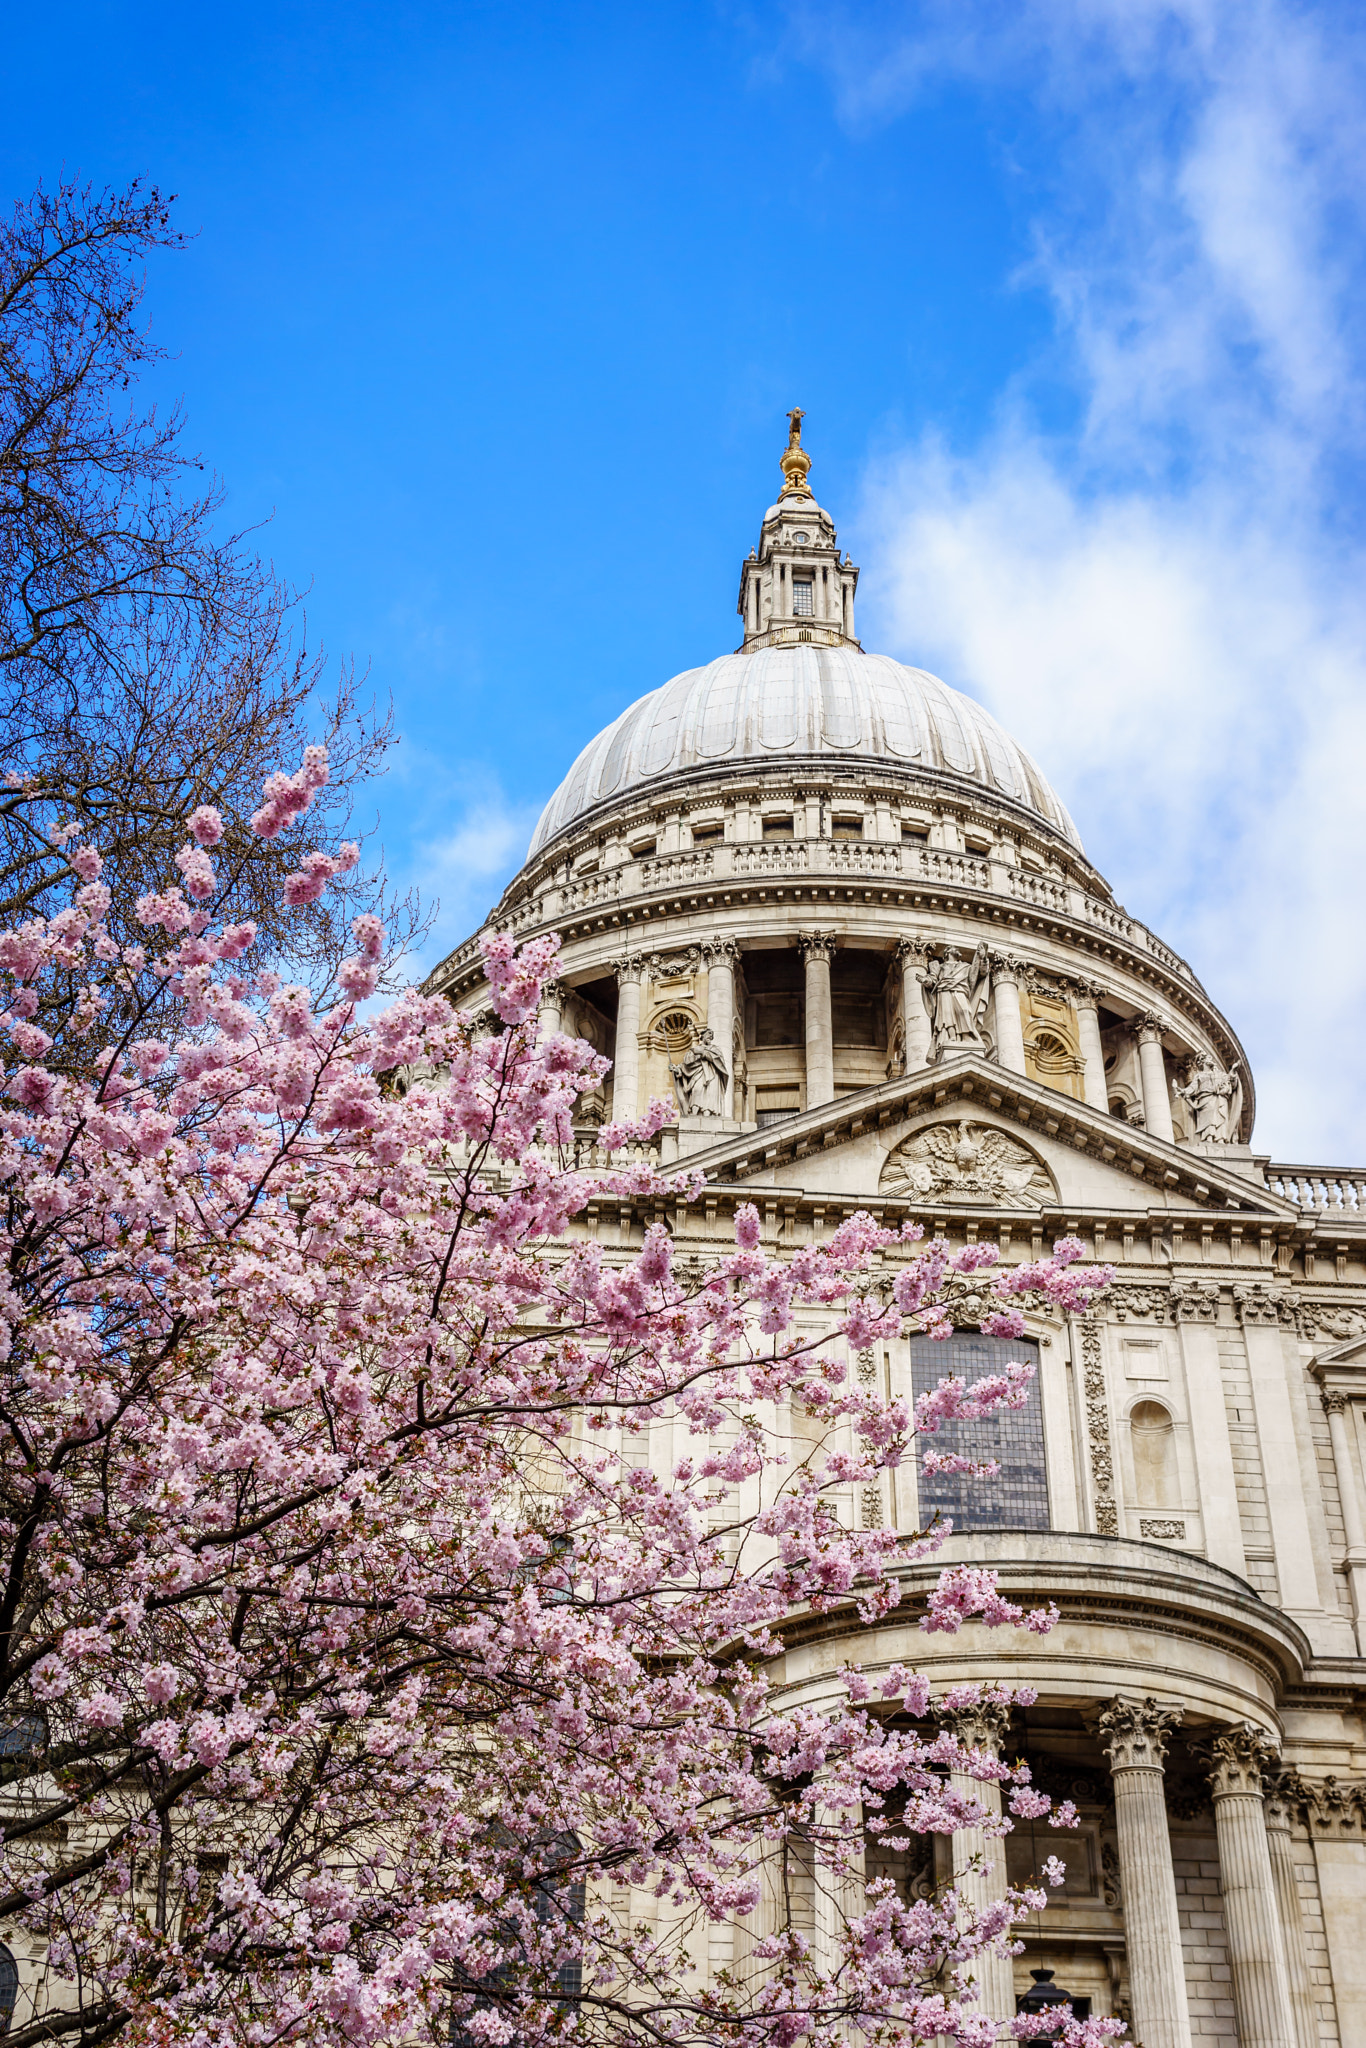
[494, 312]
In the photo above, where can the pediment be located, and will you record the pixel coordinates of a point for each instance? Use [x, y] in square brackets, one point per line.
[1344, 1362]
[970, 1136]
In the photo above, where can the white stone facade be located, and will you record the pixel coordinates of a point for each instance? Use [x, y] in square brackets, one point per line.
[923, 1000]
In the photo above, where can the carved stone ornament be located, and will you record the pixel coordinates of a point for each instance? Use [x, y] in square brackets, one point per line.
[1335, 1808]
[967, 1163]
[1196, 1302]
[1316, 1320]
[983, 1726]
[1260, 1307]
[673, 966]
[1162, 1531]
[1133, 1733]
[1098, 1429]
[1124, 1302]
[816, 945]
[1286, 1794]
[1238, 1759]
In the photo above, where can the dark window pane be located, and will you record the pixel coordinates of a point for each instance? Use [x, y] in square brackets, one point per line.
[1017, 1498]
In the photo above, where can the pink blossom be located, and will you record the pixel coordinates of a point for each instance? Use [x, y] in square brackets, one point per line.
[205, 824]
[291, 1339]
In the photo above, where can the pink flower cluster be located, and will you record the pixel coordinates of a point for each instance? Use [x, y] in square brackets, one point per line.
[343, 1554]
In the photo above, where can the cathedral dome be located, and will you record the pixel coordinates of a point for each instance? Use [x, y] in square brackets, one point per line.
[796, 703]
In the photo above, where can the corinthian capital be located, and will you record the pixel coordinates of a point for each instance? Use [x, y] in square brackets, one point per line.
[816, 945]
[1334, 1401]
[1133, 1733]
[914, 950]
[1150, 1028]
[981, 1726]
[717, 949]
[1238, 1760]
[628, 968]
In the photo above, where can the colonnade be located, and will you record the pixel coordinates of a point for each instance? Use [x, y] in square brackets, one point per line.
[1266, 1945]
[912, 956]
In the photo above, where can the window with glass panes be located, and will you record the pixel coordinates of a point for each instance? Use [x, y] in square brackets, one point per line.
[1017, 1498]
[803, 605]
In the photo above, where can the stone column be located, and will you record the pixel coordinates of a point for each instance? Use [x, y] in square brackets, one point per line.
[983, 1727]
[1335, 1408]
[1088, 1035]
[1283, 1793]
[720, 957]
[1256, 1948]
[1005, 1004]
[1157, 1102]
[1134, 1733]
[551, 1008]
[915, 1018]
[816, 948]
[626, 1064]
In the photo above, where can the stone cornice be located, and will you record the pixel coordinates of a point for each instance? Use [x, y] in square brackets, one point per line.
[1104, 1582]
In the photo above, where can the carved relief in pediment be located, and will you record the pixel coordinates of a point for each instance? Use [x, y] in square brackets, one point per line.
[966, 1162]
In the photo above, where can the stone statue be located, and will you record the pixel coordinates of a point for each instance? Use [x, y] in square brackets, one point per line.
[1209, 1094]
[701, 1077]
[950, 991]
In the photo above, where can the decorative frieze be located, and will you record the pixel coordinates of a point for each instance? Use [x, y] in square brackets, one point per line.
[1124, 1302]
[1168, 1530]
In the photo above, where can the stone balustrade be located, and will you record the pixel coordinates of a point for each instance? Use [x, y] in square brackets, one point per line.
[1330, 1190]
[558, 898]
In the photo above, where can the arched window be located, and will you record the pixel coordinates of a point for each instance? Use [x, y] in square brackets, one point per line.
[1157, 1483]
[9, 1988]
[1017, 1498]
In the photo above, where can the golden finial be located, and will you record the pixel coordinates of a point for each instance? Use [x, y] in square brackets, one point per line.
[795, 461]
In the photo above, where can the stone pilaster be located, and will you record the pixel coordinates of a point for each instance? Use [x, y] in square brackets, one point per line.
[816, 948]
[1005, 1009]
[1134, 1734]
[1335, 1406]
[626, 1062]
[1256, 1947]
[1283, 1793]
[1259, 1312]
[979, 1859]
[1152, 1067]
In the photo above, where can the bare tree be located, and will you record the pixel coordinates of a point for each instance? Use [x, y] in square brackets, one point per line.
[149, 663]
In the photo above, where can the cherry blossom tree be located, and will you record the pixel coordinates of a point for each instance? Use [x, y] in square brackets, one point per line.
[356, 1663]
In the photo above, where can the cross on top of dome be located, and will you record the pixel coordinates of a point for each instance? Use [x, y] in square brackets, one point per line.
[795, 463]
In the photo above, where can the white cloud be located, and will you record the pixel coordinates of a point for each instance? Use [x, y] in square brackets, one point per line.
[1166, 605]
[464, 865]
